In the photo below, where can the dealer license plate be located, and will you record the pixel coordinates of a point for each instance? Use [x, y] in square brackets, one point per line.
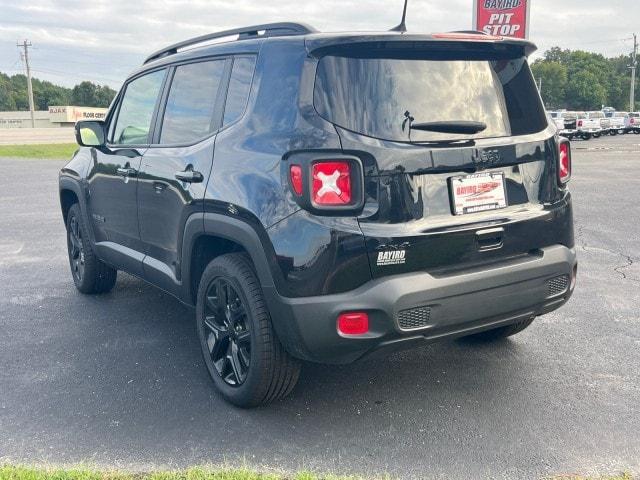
[478, 192]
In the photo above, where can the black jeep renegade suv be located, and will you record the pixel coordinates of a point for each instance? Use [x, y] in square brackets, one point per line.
[320, 196]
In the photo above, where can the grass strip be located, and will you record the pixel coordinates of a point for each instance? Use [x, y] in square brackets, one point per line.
[55, 151]
[16, 472]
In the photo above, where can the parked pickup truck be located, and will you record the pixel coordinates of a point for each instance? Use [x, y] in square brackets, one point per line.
[601, 118]
[617, 122]
[632, 122]
[565, 123]
[587, 126]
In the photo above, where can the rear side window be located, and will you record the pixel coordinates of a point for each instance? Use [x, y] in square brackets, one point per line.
[379, 97]
[239, 88]
[189, 114]
[136, 110]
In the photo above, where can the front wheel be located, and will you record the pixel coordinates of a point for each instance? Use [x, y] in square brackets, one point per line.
[244, 357]
[90, 274]
[613, 132]
[586, 136]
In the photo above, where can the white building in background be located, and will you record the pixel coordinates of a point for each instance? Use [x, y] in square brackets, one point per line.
[56, 116]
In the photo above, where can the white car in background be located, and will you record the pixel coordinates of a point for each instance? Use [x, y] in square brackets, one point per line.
[565, 123]
[617, 122]
[602, 120]
[632, 122]
[587, 127]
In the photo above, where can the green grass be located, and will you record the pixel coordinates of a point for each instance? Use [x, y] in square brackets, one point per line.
[621, 476]
[49, 151]
[12, 472]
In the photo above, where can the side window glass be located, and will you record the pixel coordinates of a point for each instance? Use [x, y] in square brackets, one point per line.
[239, 88]
[136, 110]
[189, 114]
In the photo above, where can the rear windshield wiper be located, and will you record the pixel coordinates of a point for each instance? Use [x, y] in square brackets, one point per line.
[445, 143]
[458, 126]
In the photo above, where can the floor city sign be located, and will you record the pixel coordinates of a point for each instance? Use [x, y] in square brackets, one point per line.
[509, 18]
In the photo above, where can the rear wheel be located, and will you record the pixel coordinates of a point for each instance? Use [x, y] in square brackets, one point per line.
[596, 135]
[586, 136]
[90, 274]
[244, 357]
[613, 132]
[501, 332]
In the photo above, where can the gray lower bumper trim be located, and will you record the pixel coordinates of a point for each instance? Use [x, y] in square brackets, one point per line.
[463, 301]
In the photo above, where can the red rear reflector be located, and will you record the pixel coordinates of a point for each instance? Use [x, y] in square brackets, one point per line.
[331, 183]
[564, 162]
[476, 37]
[353, 323]
[295, 172]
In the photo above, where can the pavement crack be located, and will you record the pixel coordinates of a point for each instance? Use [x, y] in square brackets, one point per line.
[584, 246]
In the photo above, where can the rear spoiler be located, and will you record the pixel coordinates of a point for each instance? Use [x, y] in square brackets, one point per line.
[456, 45]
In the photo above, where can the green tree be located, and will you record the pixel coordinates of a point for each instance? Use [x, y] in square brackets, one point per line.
[585, 92]
[7, 103]
[46, 94]
[88, 94]
[554, 77]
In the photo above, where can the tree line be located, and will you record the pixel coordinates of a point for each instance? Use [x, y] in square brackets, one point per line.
[578, 80]
[13, 94]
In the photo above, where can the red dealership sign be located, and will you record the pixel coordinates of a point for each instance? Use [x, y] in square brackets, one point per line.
[509, 18]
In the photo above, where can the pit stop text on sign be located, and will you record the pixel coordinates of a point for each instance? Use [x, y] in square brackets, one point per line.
[505, 18]
[500, 24]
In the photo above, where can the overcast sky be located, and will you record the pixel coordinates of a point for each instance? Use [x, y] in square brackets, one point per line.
[103, 40]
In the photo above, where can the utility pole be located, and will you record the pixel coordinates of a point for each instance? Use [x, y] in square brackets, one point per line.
[633, 66]
[25, 45]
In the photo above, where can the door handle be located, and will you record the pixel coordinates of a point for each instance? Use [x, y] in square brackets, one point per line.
[189, 176]
[126, 172]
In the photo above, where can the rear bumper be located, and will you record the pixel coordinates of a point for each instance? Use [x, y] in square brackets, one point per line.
[434, 306]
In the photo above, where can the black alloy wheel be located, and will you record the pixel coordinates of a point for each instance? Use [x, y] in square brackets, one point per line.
[242, 353]
[76, 248]
[227, 331]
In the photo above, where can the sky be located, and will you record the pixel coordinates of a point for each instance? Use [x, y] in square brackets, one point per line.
[104, 40]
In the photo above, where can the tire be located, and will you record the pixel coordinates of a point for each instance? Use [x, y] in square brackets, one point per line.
[501, 332]
[241, 351]
[90, 274]
[613, 132]
[596, 135]
[586, 136]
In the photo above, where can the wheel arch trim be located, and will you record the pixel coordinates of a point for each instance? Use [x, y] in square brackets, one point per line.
[228, 228]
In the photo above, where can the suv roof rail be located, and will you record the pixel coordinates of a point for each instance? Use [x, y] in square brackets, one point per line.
[281, 29]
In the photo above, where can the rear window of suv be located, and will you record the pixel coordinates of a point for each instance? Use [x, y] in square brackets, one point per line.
[376, 96]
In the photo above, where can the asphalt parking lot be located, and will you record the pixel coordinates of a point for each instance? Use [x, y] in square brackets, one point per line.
[117, 380]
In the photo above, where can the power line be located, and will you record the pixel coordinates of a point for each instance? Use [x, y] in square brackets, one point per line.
[25, 45]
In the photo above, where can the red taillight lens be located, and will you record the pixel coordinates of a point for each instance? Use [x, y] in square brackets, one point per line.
[331, 183]
[564, 162]
[579, 123]
[353, 323]
[295, 174]
[632, 121]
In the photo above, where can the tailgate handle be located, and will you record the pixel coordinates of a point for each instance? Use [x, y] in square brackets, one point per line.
[490, 239]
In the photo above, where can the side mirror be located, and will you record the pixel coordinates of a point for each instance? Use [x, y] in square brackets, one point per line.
[90, 134]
